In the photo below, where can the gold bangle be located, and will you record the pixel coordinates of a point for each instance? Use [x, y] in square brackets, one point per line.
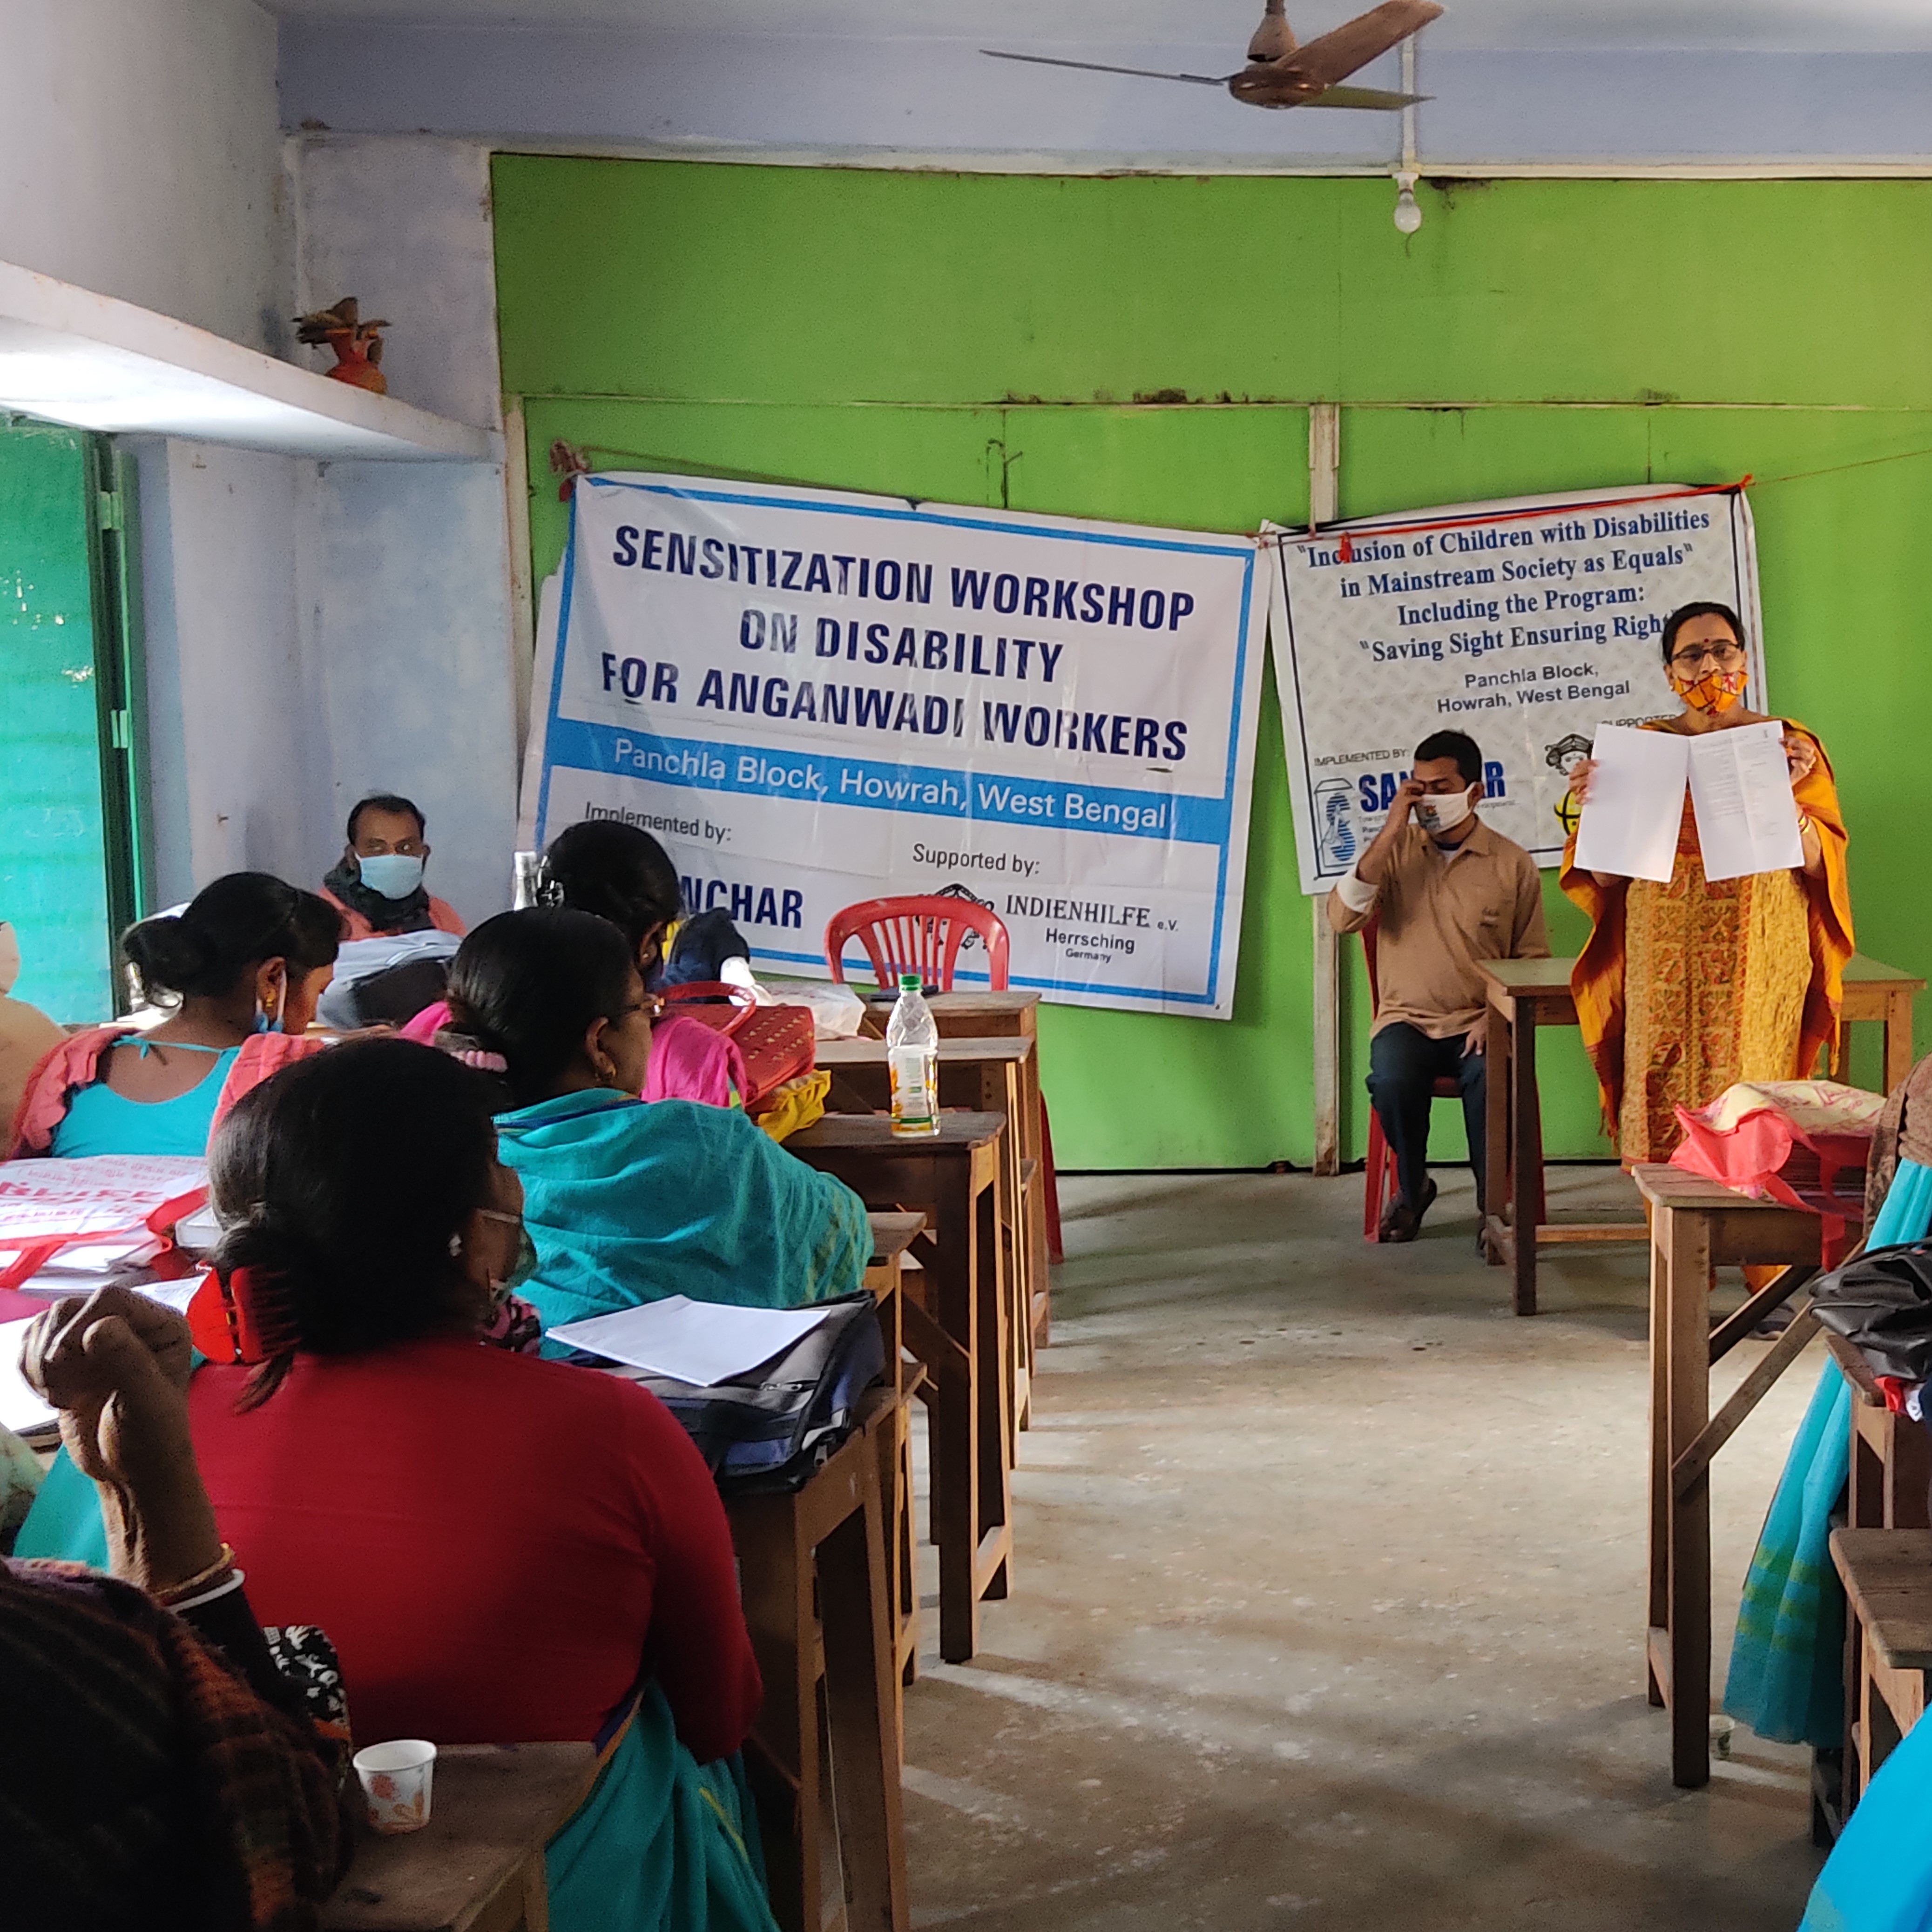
[200, 1579]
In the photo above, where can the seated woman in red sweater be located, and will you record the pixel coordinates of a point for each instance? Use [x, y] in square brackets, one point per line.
[503, 1549]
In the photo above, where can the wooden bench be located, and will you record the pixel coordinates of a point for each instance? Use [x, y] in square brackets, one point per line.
[812, 1563]
[477, 1866]
[1887, 1578]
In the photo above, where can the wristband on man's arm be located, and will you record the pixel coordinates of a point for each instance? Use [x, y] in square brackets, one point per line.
[1354, 892]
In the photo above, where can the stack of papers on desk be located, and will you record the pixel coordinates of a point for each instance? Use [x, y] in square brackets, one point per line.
[701, 1343]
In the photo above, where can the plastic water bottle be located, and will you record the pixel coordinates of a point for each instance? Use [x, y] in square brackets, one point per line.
[912, 1059]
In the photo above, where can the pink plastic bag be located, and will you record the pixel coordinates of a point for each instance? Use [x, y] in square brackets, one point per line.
[1787, 1140]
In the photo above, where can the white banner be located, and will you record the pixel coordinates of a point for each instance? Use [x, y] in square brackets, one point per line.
[813, 699]
[1526, 624]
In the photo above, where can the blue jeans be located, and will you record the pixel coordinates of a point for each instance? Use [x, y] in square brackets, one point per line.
[1403, 1066]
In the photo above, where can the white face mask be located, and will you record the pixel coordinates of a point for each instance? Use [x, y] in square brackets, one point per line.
[1445, 814]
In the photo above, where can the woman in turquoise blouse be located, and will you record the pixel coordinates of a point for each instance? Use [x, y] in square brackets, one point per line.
[249, 956]
[626, 1200]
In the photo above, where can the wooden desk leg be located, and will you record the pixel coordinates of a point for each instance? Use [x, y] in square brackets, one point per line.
[860, 1698]
[1659, 1606]
[1526, 1156]
[1495, 1124]
[956, 1427]
[536, 1896]
[995, 1509]
[1864, 1487]
[1897, 1037]
[1686, 1239]
[778, 1608]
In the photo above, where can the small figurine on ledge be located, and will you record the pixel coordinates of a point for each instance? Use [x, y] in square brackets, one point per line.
[358, 347]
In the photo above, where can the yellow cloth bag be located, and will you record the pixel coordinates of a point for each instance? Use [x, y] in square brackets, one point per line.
[796, 1104]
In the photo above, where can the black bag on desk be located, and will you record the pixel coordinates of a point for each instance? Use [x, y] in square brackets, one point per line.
[1881, 1303]
[771, 1429]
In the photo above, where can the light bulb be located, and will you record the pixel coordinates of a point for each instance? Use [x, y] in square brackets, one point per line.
[1408, 215]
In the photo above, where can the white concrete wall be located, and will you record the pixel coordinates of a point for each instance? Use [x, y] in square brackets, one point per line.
[404, 568]
[231, 739]
[140, 156]
[313, 632]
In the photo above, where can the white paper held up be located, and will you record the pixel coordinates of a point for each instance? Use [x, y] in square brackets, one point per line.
[698, 1341]
[1740, 789]
[1630, 822]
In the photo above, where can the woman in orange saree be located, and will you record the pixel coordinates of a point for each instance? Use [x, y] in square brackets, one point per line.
[1683, 989]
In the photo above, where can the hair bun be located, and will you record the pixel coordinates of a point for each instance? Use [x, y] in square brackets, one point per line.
[169, 954]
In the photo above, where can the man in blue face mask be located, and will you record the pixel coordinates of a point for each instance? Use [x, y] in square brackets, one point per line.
[377, 885]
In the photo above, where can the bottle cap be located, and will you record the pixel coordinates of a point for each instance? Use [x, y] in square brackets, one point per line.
[908, 982]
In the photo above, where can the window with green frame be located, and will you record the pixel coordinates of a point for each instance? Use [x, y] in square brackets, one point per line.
[70, 829]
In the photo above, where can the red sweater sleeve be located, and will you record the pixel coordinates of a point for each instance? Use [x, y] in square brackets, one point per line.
[697, 1646]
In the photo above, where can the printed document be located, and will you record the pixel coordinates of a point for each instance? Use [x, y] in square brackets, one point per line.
[702, 1343]
[1741, 790]
[1740, 785]
[1631, 823]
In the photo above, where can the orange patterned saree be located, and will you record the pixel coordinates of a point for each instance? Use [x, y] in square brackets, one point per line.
[1683, 989]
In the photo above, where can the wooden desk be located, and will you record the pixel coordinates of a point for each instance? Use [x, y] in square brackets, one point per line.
[954, 1178]
[812, 1566]
[997, 1075]
[1524, 994]
[477, 1866]
[981, 1015]
[1874, 992]
[1696, 1226]
[1887, 1578]
[1010, 1015]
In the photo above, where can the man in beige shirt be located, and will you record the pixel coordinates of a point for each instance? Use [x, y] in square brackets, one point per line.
[1445, 892]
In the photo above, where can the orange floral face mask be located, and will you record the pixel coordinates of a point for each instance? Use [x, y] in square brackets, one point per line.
[1716, 691]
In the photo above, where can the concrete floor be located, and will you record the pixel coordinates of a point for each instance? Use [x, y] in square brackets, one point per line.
[1329, 1602]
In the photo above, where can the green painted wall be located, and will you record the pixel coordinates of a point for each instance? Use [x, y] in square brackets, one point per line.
[1145, 349]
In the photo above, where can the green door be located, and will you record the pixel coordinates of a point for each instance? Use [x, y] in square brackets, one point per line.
[68, 875]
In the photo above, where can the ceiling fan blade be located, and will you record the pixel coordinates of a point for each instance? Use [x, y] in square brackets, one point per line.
[1095, 67]
[1364, 97]
[1356, 43]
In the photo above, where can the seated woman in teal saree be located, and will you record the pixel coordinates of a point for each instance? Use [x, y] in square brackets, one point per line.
[1786, 1679]
[629, 1201]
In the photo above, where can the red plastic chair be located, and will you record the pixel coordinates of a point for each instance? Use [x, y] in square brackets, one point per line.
[1379, 1172]
[923, 933]
[919, 934]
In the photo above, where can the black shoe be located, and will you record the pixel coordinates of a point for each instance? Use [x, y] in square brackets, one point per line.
[1402, 1222]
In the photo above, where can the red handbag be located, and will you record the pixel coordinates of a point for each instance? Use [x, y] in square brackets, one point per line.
[779, 1043]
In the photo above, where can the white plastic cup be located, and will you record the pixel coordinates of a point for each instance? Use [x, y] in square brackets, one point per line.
[396, 1780]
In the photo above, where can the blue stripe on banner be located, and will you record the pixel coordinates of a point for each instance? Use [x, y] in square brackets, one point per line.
[764, 954]
[929, 791]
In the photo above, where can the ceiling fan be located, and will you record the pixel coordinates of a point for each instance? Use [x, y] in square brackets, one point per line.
[1281, 74]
